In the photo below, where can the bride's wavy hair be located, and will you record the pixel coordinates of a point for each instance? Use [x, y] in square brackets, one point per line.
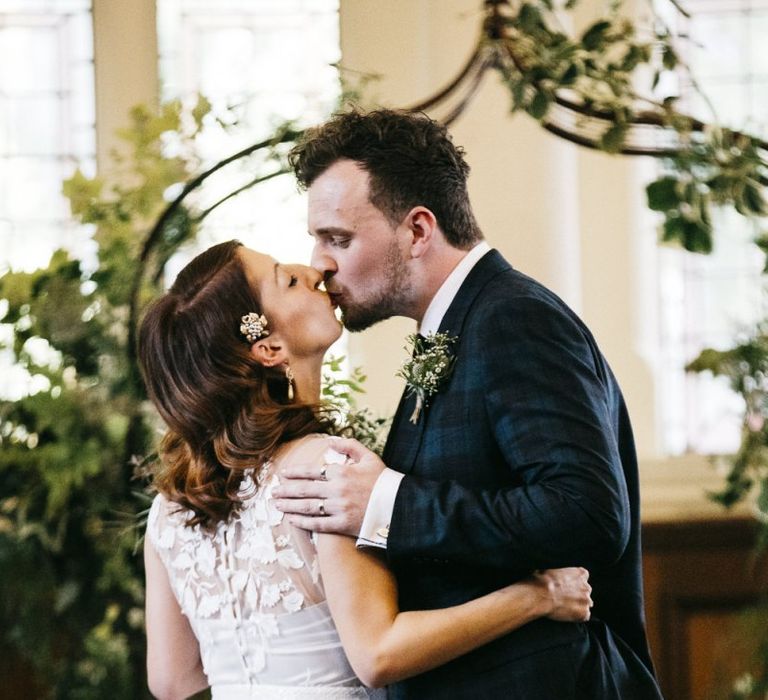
[225, 411]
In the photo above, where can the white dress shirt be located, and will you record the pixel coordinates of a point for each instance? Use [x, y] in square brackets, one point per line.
[375, 528]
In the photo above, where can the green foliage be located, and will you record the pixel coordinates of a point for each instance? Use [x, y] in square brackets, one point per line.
[746, 368]
[71, 584]
[341, 393]
[598, 68]
[613, 138]
[719, 168]
[597, 78]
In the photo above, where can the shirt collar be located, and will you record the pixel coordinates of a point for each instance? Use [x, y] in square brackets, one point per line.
[448, 289]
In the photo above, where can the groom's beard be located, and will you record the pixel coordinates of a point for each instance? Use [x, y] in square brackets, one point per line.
[391, 298]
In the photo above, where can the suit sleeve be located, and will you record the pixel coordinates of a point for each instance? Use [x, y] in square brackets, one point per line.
[548, 401]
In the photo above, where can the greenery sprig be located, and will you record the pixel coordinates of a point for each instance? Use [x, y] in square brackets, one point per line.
[746, 368]
[341, 392]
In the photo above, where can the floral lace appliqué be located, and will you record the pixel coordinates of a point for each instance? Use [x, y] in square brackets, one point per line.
[252, 591]
[249, 564]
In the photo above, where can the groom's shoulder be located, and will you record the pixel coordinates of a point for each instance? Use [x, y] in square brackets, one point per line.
[503, 278]
[513, 289]
[512, 299]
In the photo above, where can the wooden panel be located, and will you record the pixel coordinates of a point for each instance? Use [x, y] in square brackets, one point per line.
[699, 577]
[717, 652]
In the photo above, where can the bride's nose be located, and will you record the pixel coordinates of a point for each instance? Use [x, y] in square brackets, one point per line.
[315, 278]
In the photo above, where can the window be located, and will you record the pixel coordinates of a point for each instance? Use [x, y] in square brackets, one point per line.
[709, 300]
[46, 129]
[46, 124]
[268, 61]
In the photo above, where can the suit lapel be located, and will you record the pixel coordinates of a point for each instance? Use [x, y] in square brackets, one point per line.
[405, 438]
[491, 264]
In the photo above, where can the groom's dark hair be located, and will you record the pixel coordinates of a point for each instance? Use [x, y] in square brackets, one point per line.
[410, 159]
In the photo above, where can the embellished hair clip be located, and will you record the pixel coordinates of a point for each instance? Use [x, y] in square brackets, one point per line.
[253, 326]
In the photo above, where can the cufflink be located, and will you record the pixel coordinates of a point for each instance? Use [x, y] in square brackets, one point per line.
[383, 532]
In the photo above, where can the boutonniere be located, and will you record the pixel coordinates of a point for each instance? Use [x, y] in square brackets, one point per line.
[430, 365]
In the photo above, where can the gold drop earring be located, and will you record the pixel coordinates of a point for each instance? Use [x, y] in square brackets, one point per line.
[289, 377]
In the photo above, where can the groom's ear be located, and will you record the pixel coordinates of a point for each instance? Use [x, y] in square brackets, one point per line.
[269, 351]
[422, 225]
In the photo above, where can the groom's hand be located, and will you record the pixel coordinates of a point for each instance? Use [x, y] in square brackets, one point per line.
[330, 497]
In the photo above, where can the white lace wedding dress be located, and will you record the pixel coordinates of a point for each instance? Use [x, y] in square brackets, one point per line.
[253, 594]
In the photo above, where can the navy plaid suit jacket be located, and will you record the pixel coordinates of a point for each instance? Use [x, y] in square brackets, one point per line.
[524, 460]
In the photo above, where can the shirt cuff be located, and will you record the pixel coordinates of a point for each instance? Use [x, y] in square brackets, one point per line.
[375, 529]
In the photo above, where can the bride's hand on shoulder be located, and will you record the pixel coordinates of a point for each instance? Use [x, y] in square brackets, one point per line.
[568, 593]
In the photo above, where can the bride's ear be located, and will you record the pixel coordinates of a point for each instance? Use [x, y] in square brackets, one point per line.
[269, 351]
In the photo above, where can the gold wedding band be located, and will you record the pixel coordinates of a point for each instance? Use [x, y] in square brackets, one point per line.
[323, 474]
[321, 508]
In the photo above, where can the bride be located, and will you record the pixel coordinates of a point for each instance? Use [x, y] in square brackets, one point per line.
[237, 598]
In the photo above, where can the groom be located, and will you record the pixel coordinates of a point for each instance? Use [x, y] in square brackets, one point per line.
[522, 459]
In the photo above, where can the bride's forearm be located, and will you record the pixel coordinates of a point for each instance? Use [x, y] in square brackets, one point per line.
[418, 641]
[385, 645]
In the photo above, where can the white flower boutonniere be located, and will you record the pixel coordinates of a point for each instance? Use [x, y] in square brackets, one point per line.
[429, 367]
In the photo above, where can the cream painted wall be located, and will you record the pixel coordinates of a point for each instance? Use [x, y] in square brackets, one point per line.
[575, 220]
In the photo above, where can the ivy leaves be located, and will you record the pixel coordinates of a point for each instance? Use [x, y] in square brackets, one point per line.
[537, 61]
[593, 79]
[687, 213]
[746, 368]
[719, 168]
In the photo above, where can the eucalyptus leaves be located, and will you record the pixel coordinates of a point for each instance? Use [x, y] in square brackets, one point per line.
[430, 365]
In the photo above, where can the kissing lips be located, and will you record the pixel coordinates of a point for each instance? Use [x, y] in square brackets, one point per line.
[336, 301]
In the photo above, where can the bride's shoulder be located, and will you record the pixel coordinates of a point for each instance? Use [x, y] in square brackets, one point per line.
[160, 520]
[309, 449]
[159, 506]
[163, 510]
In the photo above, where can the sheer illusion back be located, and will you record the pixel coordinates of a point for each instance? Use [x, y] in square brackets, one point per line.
[252, 591]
